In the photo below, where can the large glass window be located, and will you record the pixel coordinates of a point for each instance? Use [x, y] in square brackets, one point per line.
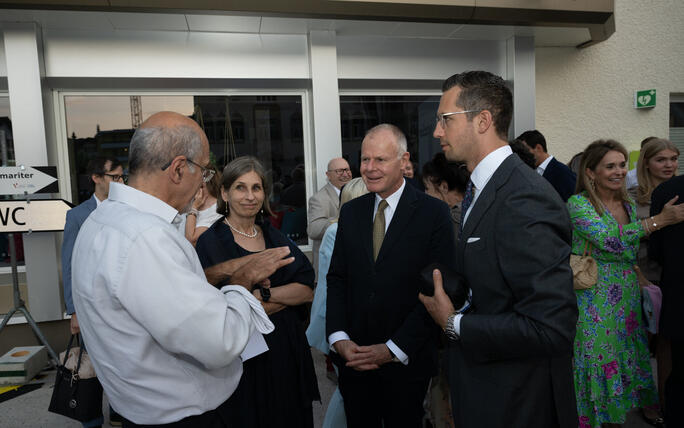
[268, 127]
[413, 114]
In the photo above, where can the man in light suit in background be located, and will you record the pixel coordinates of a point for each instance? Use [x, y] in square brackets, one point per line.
[558, 174]
[324, 206]
[510, 358]
[101, 171]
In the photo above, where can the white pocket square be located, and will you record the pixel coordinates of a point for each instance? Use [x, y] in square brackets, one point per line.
[472, 239]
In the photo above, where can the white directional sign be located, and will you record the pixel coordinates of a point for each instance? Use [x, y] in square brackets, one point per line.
[20, 180]
[40, 215]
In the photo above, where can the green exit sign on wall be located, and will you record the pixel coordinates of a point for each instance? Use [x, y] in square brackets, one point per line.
[645, 98]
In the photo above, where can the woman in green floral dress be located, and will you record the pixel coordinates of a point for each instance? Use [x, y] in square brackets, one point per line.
[611, 357]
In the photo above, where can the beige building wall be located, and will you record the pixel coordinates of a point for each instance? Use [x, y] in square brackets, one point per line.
[586, 94]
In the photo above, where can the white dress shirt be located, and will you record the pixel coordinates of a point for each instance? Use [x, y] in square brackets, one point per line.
[481, 175]
[542, 166]
[392, 202]
[164, 342]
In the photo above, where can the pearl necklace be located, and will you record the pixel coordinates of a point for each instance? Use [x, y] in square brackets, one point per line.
[247, 235]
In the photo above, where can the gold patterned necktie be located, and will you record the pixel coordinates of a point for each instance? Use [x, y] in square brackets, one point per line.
[379, 228]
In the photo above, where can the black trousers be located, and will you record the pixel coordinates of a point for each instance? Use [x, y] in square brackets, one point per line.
[674, 387]
[210, 419]
[374, 400]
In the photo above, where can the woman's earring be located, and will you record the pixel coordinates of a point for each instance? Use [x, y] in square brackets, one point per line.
[592, 184]
[226, 202]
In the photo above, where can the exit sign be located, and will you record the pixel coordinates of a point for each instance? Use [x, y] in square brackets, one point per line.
[645, 98]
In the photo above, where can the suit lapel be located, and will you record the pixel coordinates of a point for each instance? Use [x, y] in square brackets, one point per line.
[487, 197]
[334, 199]
[400, 219]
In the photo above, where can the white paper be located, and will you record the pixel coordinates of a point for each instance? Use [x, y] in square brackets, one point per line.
[255, 346]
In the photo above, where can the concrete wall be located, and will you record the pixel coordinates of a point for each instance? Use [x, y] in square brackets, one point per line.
[583, 95]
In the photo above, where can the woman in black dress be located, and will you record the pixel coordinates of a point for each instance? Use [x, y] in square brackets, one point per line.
[277, 387]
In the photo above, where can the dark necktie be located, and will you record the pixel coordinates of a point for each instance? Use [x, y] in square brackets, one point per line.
[379, 228]
[467, 200]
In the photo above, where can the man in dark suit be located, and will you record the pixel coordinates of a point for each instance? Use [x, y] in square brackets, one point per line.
[667, 246]
[510, 357]
[384, 341]
[558, 174]
[101, 171]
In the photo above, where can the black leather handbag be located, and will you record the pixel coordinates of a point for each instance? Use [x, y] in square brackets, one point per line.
[75, 397]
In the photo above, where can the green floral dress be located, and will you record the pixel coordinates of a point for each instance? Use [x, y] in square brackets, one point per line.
[611, 358]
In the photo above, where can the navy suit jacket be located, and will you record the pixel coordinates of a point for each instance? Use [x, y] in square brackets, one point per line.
[377, 301]
[75, 217]
[512, 366]
[561, 178]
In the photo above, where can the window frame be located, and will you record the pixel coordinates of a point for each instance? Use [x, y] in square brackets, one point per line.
[63, 167]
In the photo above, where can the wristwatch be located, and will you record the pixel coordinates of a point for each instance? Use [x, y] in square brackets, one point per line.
[265, 293]
[450, 329]
[394, 357]
[194, 212]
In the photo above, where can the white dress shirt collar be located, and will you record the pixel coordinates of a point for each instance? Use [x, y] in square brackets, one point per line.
[142, 201]
[483, 173]
[542, 166]
[392, 203]
[97, 200]
[487, 166]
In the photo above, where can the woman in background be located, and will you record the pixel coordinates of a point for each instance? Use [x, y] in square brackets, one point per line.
[203, 213]
[277, 387]
[447, 181]
[657, 163]
[611, 360]
[334, 416]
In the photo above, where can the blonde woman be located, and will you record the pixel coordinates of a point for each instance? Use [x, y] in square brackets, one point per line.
[657, 163]
[611, 360]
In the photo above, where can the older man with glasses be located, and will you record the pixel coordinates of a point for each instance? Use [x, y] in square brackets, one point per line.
[324, 206]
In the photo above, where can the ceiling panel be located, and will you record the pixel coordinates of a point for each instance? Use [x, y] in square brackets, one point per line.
[148, 21]
[224, 24]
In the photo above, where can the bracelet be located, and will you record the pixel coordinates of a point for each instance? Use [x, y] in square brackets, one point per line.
[194, 212]
[647, 228]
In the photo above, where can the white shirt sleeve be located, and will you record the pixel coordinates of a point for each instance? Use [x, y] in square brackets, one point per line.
[179, 309]
[398, 352]
[336, 337]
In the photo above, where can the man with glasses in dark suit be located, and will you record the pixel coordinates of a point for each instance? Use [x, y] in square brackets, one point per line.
[510, 357]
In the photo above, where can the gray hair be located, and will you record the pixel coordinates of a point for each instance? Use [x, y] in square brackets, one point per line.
[399, 137]
[353, 189]
[154, 148]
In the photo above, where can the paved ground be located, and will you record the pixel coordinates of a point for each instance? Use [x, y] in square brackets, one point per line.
[30, 409]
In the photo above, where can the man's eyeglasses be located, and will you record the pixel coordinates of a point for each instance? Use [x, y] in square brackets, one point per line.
[442, 117]
[117, 177]
[340, 171]
[207, 173]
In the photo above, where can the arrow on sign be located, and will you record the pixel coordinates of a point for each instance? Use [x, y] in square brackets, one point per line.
[18, 180]
[41, 215]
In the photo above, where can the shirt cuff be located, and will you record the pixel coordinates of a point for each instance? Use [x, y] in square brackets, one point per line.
[457, 324]
[336, 337]
[397, 352]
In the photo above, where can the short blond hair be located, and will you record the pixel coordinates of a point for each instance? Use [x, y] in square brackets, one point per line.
[353, 189]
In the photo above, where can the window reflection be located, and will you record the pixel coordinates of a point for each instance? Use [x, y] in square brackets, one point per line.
[267, 127]
[413, 114]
